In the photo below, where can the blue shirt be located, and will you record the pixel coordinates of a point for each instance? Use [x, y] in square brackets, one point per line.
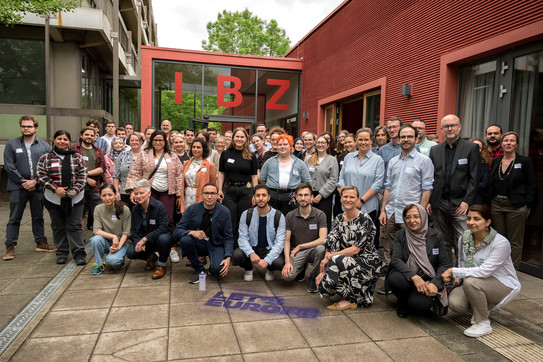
[248, 236]
[406, 179]
[253, 149]
[365, 175]
[388, 151]
[298, 173]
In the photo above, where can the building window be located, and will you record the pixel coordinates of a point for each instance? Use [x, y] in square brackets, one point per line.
[22, 71]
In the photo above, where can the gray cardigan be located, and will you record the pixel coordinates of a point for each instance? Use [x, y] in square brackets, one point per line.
[324, 176]
[16, 161]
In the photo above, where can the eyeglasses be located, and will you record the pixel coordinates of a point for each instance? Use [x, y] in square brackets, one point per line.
[450, 126]
[407, 137]
[209, 193]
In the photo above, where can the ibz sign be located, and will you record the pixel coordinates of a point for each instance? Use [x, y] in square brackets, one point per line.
[251, 302]
[283, 84]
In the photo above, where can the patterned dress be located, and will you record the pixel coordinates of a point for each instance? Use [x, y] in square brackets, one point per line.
[352, 277]
[190, 183]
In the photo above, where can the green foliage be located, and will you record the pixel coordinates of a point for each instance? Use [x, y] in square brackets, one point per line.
[12, 11]
[245, 33]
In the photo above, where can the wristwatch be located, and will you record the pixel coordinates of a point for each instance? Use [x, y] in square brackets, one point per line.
[362, 201]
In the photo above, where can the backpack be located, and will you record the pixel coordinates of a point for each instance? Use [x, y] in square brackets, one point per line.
[276, 218]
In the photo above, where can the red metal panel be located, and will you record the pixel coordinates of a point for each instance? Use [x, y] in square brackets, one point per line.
[402, 40]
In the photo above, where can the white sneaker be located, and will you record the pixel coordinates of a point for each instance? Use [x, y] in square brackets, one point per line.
[174, 257]
[248, 276]
[269, 276]
[478, 329]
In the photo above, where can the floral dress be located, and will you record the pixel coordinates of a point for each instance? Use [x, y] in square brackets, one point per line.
[190, 183]
[352, 277]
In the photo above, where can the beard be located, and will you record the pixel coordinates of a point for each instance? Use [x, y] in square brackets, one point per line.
[493, 142]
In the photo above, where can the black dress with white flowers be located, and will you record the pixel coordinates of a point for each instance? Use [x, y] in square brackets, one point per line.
[352, 277]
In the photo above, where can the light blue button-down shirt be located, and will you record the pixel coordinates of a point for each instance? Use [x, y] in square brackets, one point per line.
[370, 173]
[248, 236]
[406, 179]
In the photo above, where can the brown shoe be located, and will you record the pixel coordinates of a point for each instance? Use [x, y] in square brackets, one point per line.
[151, 262]
[159, 272]
[43, 246]
[9, 254]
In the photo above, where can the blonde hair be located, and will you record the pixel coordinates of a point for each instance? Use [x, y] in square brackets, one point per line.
[314, 159]
[245, 152]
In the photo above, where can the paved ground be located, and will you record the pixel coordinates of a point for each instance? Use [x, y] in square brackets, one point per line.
[128, 316]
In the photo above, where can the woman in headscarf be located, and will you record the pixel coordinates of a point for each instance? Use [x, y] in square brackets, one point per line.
[63, 175]
[419, 257]
[489, 279]
[117, 146]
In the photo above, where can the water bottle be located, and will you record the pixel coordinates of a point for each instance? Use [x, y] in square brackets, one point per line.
[202, 281]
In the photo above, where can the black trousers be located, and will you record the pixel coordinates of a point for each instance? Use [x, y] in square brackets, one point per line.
[407, 294]
[237, 200]
[281, 201]
[325, 205]
[240, 259]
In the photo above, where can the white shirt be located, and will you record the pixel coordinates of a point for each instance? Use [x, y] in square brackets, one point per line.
[160, 179]
[493, 260]
[284, 175]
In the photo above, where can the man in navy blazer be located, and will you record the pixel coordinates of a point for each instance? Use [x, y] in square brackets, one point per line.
[457, 170]
[206, 229]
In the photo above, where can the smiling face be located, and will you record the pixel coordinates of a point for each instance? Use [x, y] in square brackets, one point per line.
[299, 145]
[309, 141]
[349, 199]
[273, 140]
[108, 197]
[239, 140]
[179, 144]
[158, 143]
[189, 135]
[118, 145]
[87, 137]
[363, 141]
[476, 223]
[141, 196]
[135, 142]
[62, 142]
[381, 138]
[407, 139]
[197, 150]
[393, 127]
[349, 145]
[412, 219]
[303, 197]
[257, 142]
[210, 196]
[220, 144]
[421, 127]
[166, 126]
[321, 144]
[283, 147]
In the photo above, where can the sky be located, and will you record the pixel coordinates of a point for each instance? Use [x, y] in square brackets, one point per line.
[182, 24]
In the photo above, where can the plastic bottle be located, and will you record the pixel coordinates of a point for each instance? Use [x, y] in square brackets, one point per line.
[202, 281]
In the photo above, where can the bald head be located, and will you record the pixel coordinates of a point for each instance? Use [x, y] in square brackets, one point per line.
[450, 126]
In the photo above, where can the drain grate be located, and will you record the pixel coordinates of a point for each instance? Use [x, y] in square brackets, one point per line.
[504, 341]
[12, 330]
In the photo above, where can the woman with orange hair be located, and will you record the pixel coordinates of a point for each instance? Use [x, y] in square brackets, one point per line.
[283, 173]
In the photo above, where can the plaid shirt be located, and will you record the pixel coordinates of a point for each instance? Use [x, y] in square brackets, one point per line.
[49, 171]
[98, 162]
[496, 153]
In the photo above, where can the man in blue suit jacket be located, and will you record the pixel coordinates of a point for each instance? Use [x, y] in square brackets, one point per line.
[206, 229]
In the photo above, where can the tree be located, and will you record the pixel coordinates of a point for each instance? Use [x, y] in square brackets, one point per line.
[12, 11]
[245, 33]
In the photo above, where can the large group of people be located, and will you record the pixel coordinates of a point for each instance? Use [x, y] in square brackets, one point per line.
[450, 216]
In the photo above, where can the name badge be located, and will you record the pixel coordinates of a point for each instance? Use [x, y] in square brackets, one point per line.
[295, 172]
[55, 164]
[312, 226]
[203, 169]
[518, 165]
[481, 260]
[85, 158]
[19, 150]
[463, 161]
[312, 169]
[435, 251]
[168, 160]
[231, 160]
[152, 222]
[341, 162]
[424, 149]
[353, 227]
[114, 218]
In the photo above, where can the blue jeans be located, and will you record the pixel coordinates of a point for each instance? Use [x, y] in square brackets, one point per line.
[17, 204]
[193, 247]
[100, 246]
[163, 245]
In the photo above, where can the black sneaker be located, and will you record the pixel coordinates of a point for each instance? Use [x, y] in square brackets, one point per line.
[195, 277]
[62, 259]
[311, 285]
[80, 259]
[301, 275]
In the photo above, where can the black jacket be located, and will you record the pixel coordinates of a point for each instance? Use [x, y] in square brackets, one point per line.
[157, 220]
[438, 255]
[521, 181]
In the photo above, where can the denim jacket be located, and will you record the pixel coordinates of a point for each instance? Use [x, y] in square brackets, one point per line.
[298, 174]
[248, 236]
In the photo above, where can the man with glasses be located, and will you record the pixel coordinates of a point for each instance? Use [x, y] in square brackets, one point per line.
[206, 230]
[423, 143]
[261, 130]
[21, 155]
[409, 180]
[304, 239]
[457, 169]
[392, 148]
